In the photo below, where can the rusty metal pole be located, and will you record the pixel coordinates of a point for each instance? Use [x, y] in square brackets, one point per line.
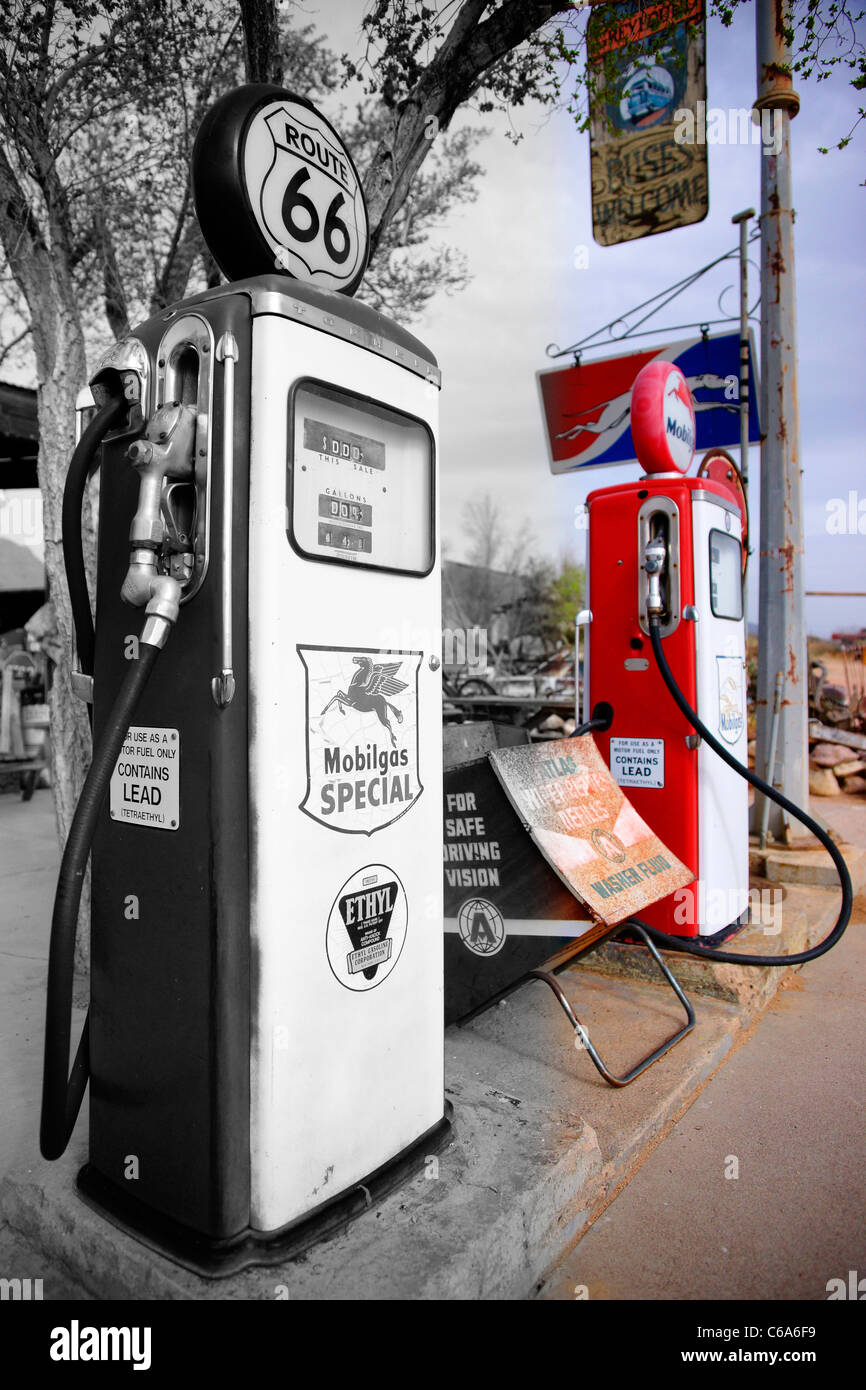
[742, 220]
[781, 626]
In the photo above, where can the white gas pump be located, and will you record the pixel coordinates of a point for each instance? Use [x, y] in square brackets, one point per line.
[265, 1041]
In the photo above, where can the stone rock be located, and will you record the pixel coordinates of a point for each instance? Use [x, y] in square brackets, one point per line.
[849, 768]
[822, 782]
[552, 724]
[854, 784]
[829, 754]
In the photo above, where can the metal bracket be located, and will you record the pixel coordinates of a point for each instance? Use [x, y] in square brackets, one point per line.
[581, 1032]
[581, 696]
[82, 686]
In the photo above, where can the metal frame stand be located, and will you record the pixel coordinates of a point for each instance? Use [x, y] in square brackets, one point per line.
[578, 1027]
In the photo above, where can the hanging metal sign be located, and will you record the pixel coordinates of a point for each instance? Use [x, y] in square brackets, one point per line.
[276, 190]
[648, 63]
[587, 407]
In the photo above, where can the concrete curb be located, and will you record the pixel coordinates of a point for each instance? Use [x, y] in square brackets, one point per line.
[808, 866]
[805, 915]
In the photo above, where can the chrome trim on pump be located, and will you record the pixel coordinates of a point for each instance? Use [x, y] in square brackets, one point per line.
[129, 359]
[666, 508]
[223, 685]
[581, 691]
[192, 331]
[287, 307]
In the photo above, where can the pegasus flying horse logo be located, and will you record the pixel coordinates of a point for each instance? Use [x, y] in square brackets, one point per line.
[368, 689]
[361, 735]
[681, 391]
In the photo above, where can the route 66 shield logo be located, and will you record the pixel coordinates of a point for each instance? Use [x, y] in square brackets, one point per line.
[306, 195]
[362, 736]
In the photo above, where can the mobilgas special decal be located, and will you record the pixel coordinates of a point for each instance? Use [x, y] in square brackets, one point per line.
[367, 927]
[362, 736]
[145, 783]
[732, 715]
[481, 927]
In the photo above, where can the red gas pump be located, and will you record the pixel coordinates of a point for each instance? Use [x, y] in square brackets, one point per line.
[678, 539]
[666, 654]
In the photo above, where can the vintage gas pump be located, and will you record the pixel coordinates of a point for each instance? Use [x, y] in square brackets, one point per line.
[265, 1044]
[670, 545]
[665, 659]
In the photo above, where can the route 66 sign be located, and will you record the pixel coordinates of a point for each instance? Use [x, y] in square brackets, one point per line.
[276, 191]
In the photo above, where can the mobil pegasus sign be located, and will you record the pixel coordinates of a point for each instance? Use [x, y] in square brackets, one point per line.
[586, 407]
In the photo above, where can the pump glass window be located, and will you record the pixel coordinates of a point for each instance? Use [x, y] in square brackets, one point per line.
[726, 576]
[360, 481]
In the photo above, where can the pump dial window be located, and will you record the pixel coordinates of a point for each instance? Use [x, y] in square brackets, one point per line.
[726, 576]
[360, 481]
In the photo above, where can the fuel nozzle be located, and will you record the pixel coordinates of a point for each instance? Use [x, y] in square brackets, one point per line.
[655, 557]
[166, 452]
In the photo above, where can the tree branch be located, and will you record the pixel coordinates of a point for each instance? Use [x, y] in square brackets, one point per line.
[12, 345]
[116, 308]
[470, 49]
[22, 239]
[93, 55]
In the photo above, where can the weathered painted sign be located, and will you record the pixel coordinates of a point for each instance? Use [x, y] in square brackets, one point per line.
[648, 62]
[586, 827]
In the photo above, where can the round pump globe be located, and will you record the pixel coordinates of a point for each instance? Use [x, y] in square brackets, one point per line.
[662, 419]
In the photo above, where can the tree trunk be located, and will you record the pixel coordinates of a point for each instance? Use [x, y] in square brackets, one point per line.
[61, 349]
[472, 46]
[264, 59]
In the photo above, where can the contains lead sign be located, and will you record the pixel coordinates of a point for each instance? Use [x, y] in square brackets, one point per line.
[145, 784]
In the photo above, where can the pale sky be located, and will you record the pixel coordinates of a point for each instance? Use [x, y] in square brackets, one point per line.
[533, 210]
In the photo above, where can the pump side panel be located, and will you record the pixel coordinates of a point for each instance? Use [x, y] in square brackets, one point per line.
[345, 1071]
[623, 672]
[724, 795]
[169, 1020]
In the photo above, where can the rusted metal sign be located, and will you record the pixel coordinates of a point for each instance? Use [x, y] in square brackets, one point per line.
[586, 828]
[649, 68]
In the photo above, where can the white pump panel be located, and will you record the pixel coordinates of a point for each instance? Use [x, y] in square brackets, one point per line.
[345, 747]
[721, 687]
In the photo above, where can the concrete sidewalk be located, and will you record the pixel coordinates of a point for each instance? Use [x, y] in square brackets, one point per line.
[28, 875]
[760, 1190]
[541, 1144]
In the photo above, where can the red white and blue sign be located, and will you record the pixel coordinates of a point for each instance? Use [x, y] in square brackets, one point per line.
[587, 408]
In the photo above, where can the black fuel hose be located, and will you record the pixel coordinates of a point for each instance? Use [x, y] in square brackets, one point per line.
[602, 718]
[61, 1094]
[81, 467]
[693, 947]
